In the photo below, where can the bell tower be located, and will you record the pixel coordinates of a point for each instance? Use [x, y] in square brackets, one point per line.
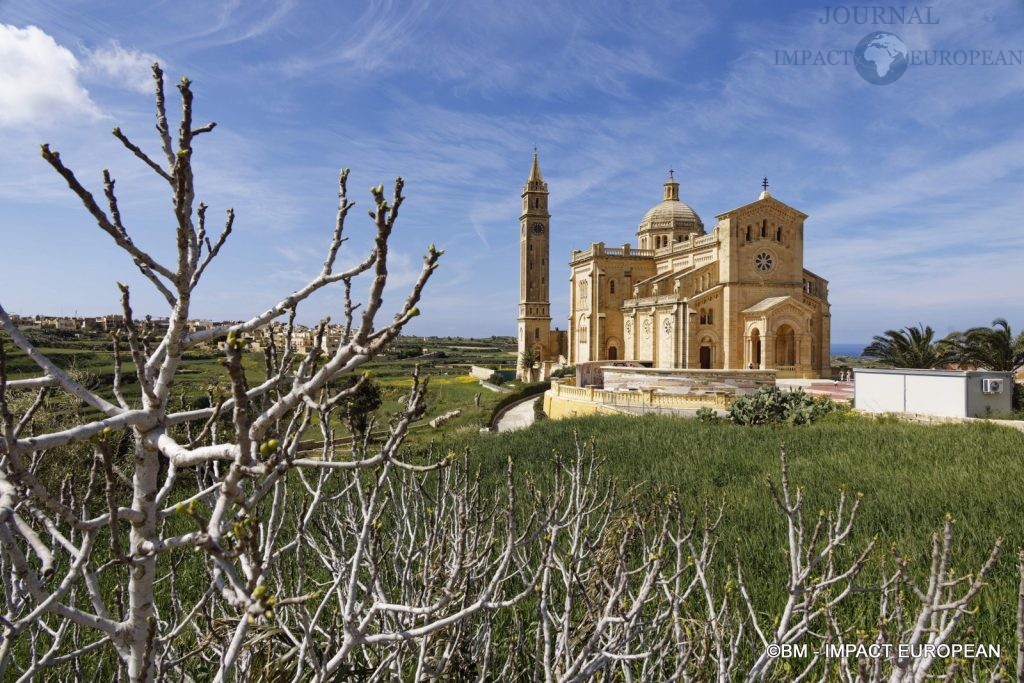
[534, 246]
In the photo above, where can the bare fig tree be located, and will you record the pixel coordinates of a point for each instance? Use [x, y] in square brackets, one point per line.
[180, 544]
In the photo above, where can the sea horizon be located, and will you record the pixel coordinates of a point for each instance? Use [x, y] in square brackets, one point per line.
[847, 349]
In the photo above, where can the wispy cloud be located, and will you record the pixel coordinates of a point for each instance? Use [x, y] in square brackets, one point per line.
[120, 67]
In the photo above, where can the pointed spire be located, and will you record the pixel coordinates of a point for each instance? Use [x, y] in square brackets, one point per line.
[535, 183]
[535, 176]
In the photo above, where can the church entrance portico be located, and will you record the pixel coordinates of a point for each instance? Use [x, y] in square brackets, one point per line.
[786, 344]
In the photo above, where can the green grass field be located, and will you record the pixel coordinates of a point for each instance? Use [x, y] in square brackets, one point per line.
[911, 476]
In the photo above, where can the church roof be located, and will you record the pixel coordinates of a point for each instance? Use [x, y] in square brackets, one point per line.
[766, 304]
[764, 197]
[773, 302]
[671, 213]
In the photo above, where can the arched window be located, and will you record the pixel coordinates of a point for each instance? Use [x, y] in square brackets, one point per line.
[711, 316]
[536, 333]
[748, 233]
[778, 234]
[611, 286]
[764, 228]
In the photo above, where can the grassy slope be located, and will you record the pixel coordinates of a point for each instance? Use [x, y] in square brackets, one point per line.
[911, 476]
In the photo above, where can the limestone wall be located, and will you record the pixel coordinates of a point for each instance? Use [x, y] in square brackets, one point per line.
[688, 381]
[567, 401]
[480, 373]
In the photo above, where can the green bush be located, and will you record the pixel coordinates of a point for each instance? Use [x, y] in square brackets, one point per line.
[771, 405]
[1018, 396]
[567, 371]
[359, 407]
[497, 378]
[538, 411]
[707, 415]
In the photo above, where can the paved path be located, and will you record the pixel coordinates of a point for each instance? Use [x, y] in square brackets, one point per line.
[837, 391]
[518, 417]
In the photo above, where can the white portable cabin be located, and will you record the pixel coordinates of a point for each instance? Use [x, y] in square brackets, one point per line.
[943, 393]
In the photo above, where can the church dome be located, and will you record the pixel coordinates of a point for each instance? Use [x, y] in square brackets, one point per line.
[671, 213]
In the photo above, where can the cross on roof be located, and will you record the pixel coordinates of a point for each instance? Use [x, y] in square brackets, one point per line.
[764, 183]
[670, 172]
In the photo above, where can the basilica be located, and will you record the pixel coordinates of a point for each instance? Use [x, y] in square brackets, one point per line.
[734, 297]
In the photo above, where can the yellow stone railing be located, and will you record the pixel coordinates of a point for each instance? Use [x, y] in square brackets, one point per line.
[640, 399]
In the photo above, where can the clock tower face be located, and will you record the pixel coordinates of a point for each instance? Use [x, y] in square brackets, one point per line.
[538, 229]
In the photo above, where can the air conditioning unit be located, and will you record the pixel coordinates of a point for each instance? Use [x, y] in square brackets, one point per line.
[991, 386]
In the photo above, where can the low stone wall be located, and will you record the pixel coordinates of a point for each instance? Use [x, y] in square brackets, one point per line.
[591, 373]
[693, 382]
[565, 401]
[558, 408]
[480, 373]
[918, 418]
[441, 419]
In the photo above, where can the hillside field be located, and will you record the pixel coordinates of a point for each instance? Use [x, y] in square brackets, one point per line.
[910, 475]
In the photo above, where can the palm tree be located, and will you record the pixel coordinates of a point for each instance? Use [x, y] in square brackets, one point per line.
[954, 346]
[911, 347]
[527, 359]
[994, 348]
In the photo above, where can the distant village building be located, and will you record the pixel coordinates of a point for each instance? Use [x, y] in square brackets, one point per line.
[737, 297]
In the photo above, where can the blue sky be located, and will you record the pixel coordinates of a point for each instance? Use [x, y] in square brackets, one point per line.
[913, 189]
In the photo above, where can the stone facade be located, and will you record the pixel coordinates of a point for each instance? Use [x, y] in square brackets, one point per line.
[736, 297]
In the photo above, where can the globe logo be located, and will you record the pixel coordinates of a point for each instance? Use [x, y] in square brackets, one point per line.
[880, 58]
